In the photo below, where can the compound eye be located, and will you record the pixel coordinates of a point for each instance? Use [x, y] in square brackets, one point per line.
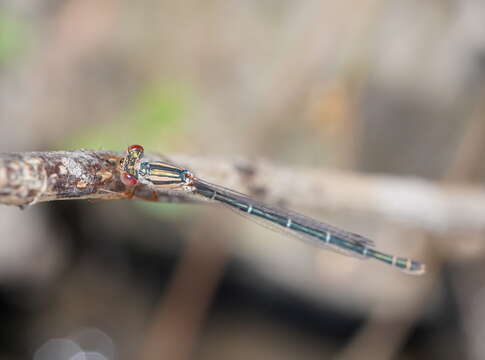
[128, 180]
[136, 148]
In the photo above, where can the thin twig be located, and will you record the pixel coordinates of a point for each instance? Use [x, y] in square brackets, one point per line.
[27, 178]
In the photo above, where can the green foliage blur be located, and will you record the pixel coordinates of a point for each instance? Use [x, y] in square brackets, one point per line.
[155, 120]
[13, 38]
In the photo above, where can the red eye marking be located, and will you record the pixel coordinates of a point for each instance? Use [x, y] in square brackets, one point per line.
[136, 147]
[128, 180]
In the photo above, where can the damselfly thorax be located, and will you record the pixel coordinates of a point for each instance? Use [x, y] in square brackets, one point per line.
[155, 173]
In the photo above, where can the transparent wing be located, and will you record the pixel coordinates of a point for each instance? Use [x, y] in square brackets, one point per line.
[287, 214]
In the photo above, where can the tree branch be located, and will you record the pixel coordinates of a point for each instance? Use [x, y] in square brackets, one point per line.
[27, 178]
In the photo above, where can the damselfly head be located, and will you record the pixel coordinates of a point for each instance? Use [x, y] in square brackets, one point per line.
[128, 164]
[135, 151]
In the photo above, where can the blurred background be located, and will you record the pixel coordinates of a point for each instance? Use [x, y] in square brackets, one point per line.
[375, 87]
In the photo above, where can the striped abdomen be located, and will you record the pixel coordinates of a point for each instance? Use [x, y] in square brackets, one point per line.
[340, 241]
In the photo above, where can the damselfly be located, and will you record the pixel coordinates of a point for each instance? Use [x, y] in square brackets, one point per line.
[163, 175]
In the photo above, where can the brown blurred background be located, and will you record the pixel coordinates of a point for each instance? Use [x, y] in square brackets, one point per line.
[383, 87]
